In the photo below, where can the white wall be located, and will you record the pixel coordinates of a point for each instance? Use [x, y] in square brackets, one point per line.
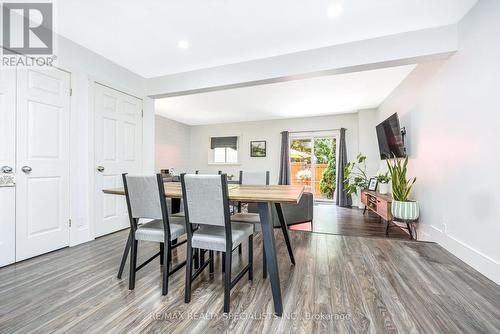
[269, 131]
[451, 112]
[172, 144]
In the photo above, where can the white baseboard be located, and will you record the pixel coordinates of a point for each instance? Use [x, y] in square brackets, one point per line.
[483, 263]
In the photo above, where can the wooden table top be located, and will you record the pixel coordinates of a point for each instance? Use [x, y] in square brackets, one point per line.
[243, 193]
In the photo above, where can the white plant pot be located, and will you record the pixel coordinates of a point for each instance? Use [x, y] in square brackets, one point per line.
[383, 188]
[405, 210]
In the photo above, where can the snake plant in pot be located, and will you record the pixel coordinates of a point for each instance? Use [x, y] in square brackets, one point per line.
[402, 207]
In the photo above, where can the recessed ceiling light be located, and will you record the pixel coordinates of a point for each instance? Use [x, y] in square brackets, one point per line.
[335, 10]
[183, 45]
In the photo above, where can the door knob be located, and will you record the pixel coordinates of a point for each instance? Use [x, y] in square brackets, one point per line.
[6, 169]
[26, 169]
[100, 169]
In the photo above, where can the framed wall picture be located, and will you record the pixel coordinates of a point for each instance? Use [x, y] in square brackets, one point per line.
[258, 149]
[372, 184]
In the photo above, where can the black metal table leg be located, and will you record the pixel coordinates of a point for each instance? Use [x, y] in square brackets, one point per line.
[272, 262]
[125, 254]
[284, 228]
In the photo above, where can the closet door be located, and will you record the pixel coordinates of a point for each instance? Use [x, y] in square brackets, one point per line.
[118, 149]
[7, 165]
[42, 192]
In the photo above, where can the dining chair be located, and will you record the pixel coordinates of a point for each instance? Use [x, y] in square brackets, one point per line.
[206, 206]
[145, 196]
[253, 178]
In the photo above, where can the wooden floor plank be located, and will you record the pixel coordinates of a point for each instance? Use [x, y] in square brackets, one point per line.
[346, 284]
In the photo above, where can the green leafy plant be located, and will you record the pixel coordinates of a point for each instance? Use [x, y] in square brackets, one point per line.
[401, 186]
[328, 180]
[383, 178]
[355, 175]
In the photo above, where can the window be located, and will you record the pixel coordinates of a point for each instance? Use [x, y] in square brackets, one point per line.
[223, 150]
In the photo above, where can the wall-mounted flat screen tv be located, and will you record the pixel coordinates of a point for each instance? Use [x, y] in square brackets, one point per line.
[390, 139]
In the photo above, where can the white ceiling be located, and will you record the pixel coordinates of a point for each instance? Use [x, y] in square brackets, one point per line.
[143, 35]
[301, 98]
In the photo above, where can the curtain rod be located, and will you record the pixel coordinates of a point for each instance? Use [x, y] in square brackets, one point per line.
[316, 130]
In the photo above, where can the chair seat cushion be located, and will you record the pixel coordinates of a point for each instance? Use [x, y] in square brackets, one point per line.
[213, 237]
[249, 218]
[153, 230]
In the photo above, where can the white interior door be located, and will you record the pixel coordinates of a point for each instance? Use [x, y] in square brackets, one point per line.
[7, 163]
[42, 191]
[118, 149]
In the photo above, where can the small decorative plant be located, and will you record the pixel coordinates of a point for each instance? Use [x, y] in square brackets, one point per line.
[383, 183]
[401, 186]
[383, 178]
[355, 175]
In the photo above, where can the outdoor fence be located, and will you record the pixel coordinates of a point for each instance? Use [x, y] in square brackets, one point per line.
[318, 174]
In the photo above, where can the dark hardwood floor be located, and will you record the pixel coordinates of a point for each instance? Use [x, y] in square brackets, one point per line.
[340, 284]
[331, 219]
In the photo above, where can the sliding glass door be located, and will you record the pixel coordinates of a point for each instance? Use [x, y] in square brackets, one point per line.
[313, 161]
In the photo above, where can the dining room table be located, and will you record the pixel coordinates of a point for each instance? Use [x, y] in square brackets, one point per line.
[265, 196]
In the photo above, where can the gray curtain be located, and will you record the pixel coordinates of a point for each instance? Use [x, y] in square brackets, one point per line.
[343, 199]
[284, 176]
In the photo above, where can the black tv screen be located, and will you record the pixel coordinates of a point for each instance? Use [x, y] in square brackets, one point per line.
[390, 140]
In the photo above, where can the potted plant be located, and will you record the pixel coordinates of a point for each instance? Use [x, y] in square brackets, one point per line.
[402, 207]
[355, 178]
[383, 183]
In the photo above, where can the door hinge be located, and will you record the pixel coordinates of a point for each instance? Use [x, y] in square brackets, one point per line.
[71, 92]
[69, 221]
[142, 113]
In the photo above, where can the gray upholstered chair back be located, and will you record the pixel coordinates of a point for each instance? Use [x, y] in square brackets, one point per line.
[144, 196]
[254, 178]
[204, 199]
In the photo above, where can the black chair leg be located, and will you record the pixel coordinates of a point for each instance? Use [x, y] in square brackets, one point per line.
[133, 265]
[189, 274]
[124, 256]
[196, 258]
[211, 259]
[250, 257]
[227, 281]
[162, 247]
[202, 257]
[240, 249]
[223, 258]
[166, 264]
[264, 262]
